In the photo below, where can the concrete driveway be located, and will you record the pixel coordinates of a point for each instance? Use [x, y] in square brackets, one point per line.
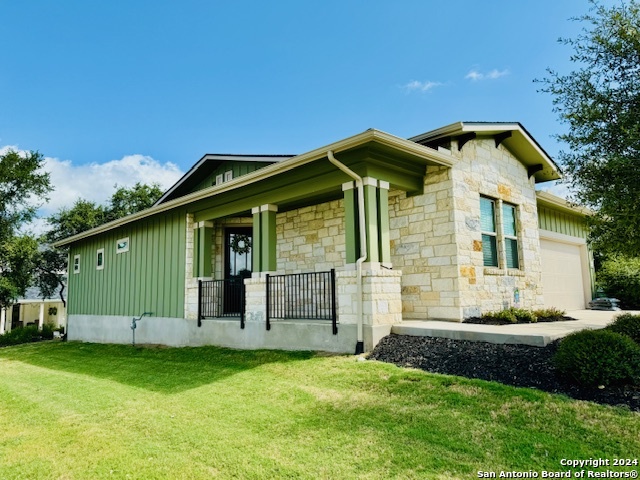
[536, 334]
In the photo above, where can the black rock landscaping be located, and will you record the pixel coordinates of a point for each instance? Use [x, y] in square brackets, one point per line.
[516, 365]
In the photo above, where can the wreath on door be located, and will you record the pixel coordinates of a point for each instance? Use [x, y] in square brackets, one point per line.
[240, 243]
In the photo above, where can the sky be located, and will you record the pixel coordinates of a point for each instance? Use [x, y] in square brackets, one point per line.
[121, 92]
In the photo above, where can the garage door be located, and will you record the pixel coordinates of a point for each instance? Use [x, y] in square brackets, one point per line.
[562, 279]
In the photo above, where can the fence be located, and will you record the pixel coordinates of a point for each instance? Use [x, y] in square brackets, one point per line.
[305, 296]
[221, 298]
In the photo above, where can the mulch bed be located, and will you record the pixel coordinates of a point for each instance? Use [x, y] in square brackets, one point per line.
[517, 365]
[485, 321]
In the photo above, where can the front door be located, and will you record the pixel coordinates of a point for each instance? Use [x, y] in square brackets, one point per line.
[237, 266]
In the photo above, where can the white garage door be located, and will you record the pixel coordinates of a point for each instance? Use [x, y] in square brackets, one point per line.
[562, 278]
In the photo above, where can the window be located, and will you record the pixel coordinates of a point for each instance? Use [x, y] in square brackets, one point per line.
[493, 235]
[510, 235]
[228, 176]
[76, 264]
[122, 245]
[100, 259]
[219, 179]
[489, 234]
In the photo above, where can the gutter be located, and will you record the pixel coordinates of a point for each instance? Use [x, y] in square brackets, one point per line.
[430, 155]
[363, 246]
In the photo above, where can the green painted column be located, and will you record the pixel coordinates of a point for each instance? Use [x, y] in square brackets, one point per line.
[351, 231]
[203, 239]
[371, 218]
[384, 244]
[256, 243]
[268, 238]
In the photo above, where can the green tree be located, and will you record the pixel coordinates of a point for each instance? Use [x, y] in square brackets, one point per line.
[23, 187]
[83, 215]
[126, 201]
[599, 101]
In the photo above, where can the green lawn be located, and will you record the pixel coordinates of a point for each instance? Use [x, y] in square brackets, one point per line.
[87, 411]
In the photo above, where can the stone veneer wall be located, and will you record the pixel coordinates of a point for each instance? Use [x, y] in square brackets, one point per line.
[437, 244]
[311, 238]
[483, 169]
[423, 247]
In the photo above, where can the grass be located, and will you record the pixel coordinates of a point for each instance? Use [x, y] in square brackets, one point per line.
[77, 411]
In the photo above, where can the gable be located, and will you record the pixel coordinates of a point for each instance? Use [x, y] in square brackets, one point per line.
[512, 136]
[204, 173]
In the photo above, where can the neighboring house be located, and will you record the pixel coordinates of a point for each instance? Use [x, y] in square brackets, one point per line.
[33, 310]
[445, 225]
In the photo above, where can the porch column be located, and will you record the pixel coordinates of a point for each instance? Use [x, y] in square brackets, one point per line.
[202, 240]
[264, 238]
[41, 316]
[351, 231]
[371, 218]
[384, 244]
[3, 319]
[268, 237]
[256, 247]
[376, 211]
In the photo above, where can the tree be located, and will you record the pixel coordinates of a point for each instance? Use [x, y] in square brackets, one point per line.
[600, 103]
[23, 186]
[126, 201]
[82, 216]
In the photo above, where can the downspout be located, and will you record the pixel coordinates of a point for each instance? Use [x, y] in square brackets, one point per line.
[363, 246]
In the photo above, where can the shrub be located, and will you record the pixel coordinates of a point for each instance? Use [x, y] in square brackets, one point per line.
[510, 315]
[524, 316]
[627, 324]
[25, 335]
[619, 277]
[598, 357]
[549, 314]
[501, 317]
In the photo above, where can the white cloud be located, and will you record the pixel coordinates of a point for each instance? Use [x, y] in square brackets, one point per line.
[557, 188]
[474, 75]
[96, 181]
[417, 86]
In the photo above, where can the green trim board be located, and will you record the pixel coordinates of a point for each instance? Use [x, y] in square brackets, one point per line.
[149, 277]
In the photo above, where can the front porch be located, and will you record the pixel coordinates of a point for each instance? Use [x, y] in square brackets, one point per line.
[306, 254]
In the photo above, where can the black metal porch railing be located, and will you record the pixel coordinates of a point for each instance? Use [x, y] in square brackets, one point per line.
[221, 298]
[306, 296]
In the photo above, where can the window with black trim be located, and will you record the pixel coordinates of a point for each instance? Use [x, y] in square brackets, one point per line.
[100, 259]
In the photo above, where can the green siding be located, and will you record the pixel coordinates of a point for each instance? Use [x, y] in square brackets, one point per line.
[147, 278]
[561, 222]
[238, 169]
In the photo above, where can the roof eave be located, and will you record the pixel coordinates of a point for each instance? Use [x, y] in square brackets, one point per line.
[429, 155]
[549, 173]
[559, 203]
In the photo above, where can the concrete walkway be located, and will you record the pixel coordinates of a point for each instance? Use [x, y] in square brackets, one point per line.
[536, 334]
